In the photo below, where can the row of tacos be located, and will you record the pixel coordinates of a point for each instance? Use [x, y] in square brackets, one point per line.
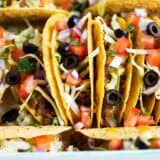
[98, 70]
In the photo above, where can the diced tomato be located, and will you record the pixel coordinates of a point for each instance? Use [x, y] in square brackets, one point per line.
[1, 33]
[16, 54]
[2, 38]
[85, 116]
[23, 3]
[153, 58]
[121, 46]
[79, 50]
[145, 120]
[66, 4]
[136, 118]
[155, 143]
[61, 25]
[42, 142]
[72, 80]
[115, 144]
[134, 20]
[148, 42]
[132, 118]
[27, 86]
[74, 34]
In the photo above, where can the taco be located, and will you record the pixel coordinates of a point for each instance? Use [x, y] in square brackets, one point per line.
[27, 3]
[144, 93]
[113, 34]
[23, 74]
[33, 14]
[114, 6]
[70, 5]
[69, 54]
[32, 139]
[122, 138]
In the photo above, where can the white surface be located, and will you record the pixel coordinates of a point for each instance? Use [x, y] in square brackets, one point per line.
[112, 155]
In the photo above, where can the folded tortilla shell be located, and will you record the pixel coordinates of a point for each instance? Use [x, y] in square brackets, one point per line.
[20, 14]
[55, 63]
[116, 6]
[135, 87]
[122, 132]
[30, 132]
[100, 77]
[48, 59]
[100, 74]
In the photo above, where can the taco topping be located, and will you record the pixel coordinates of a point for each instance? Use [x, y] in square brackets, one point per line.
[153, 29]
[150, 78]
[13, 77]
[112, 97]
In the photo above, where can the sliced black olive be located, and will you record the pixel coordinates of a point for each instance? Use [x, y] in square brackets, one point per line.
[13, 77]
[29, 47]
[73, 20]
[153, 29]
[63, 49]
[70, 62]
[140, 144]
[119, 33]
[150, 78]
[113, 97]
[10, 116]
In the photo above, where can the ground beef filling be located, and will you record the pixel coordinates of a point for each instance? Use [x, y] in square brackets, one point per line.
[43, 108]
[84, 98]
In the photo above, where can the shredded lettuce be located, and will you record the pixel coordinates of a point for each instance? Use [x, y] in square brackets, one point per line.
[115, 78]
[139, 68]
[63, 68]
[22, 106]
[91, 55]
[143, 109]
[34, 57]
[24, 36]
[114, 23]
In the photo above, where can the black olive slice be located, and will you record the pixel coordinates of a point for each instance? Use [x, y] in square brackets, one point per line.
[113, 97]
[70, 62]
[63, 49]
[153, 29]
[118, 33]
[10, 116]
[29, 47]
[13, 77]
[140, 144]
[73, 20]
[150, 78]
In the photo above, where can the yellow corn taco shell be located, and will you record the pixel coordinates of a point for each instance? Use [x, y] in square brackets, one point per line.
[51, 61]
[122, 132]
[32, 14]
[100, 63]
[116, 6]
[30, 132]
[135, 87]
[137, 83]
